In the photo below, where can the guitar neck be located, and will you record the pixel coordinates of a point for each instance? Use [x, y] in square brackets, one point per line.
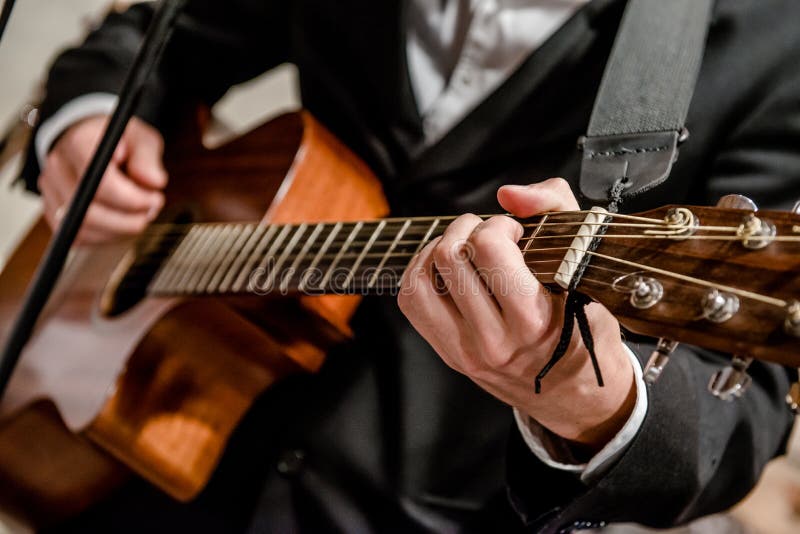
[363, 257]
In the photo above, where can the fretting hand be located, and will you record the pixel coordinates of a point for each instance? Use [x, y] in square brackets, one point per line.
[470, 294]
[129, 196]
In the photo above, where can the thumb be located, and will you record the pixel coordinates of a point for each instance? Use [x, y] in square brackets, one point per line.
[145, 147]
[528, 200]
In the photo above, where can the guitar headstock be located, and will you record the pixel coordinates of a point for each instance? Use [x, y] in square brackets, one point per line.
[721, 278]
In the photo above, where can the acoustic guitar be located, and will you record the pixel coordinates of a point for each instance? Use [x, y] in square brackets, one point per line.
[151, 351]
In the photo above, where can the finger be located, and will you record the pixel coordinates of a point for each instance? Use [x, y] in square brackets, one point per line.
[145, 156]
[52, 202]
[121, 152]
[102, 218]
[452, 257]
[528, 200]
[88, 236]
[432, 312]
[501, 265]
[118, 191]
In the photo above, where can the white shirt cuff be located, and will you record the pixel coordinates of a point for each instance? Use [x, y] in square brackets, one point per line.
[73, 111]
[554, 452]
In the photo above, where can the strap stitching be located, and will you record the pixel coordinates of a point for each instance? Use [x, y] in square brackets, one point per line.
[623, 152]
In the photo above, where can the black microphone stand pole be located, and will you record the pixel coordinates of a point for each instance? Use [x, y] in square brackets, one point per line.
[50, 268]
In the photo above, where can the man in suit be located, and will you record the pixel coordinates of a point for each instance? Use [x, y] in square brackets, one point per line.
[448, 101]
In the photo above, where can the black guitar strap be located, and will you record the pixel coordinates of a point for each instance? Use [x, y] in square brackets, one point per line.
[639, 114]
[637, 123]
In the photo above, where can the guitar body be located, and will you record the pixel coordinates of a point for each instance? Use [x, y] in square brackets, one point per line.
[158, 389]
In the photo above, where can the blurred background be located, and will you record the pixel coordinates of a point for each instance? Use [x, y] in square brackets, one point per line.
[39, 28]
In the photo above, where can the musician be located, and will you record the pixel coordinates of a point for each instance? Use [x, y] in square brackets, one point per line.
[448, 101]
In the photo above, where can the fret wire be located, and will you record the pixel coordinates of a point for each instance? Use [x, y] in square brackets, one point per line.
[422, 244]
[328, 240]
[385, 258]
[244, 255]
[332, 266]
[276, 269]
[182, 261]
[303, 251]
[246, 270]
[533, 235]
[168, 269]
[191, 265]
[221, 245]
[274, 247]
[202, 262]
[360, 258]
[244, 234]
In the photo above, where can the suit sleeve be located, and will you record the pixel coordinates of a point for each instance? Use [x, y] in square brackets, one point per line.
[215, 46]
[694, 454]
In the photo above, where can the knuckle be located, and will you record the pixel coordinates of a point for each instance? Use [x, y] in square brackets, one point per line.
[442, 252]
[560, 184]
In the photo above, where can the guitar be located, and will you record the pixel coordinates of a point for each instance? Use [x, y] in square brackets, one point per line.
[125, 375]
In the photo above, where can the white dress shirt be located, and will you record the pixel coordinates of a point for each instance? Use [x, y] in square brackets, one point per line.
[459, 52]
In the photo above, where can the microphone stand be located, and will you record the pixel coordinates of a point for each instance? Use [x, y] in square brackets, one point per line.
[46, 276]
[5, 14]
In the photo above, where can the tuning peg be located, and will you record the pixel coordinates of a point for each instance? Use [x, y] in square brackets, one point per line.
[731, 382]
[737, 202]
[793, 398]
[659, 360]
[796, 208]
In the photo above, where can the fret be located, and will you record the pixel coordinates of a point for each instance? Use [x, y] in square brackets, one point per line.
[360, 258]
[534, 234]
[276, 269]
[245, 255]
[219, 250]
[388, 253]
[203, 263]
[428, 234]
[284, 287]
[243, 234]
[170, 269]
[262, 267]
[339, 255]
[193, 259]
[325, 246]
[427, 238]
[247, 269]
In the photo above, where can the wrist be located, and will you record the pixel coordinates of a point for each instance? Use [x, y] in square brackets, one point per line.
[573, 406]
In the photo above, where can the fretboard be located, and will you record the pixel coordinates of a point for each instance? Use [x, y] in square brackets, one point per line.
[366, 257]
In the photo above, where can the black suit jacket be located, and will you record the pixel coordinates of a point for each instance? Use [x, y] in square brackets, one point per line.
[390, 439]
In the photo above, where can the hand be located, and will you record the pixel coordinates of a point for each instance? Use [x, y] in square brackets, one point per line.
[129, 196]
[471, 296]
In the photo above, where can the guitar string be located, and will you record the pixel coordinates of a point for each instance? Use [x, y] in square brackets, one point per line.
[206, 264]
[163, 229]
[156, 231]
[721, 287]
[661, 224]
[207, 260]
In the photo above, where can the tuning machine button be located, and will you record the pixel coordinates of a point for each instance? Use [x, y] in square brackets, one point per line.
[658, 360]
[719, 306]
[737, 202]
[731, 382]
[793, 398]
[796, 208]
[792, 322]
